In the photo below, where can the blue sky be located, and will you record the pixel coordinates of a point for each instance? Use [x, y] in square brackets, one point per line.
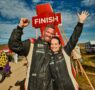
[12, 10]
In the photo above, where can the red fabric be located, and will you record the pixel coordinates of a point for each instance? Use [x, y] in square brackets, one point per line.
[6, 50]
[32, 40]
[73, 71]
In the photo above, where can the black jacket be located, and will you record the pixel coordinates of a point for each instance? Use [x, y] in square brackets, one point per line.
[39, 76]
[60, 72]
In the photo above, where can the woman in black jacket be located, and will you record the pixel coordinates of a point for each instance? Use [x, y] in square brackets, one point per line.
[60, 65]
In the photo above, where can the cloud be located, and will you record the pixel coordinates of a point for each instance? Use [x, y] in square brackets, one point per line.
[15, 8]
[6, 30]
[11, 9]
[36, 1]
[69, 19]
[88, 2]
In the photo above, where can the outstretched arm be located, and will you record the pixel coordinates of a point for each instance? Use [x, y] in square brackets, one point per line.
[76, 33]
[83, 16]
[15, 43]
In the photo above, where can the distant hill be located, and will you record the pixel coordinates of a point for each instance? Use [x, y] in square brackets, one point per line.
[3, 46]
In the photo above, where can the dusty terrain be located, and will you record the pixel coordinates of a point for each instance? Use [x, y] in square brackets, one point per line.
[16, 80]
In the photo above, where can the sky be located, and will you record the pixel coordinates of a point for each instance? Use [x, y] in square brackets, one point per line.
[12, 10]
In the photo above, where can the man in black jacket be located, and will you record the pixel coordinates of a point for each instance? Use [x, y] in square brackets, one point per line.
[38, 74]
[36, 51]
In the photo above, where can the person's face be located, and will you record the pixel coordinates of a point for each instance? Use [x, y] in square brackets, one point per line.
[48, 33]
[55, 46]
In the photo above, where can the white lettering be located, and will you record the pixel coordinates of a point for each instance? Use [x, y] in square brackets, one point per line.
[45, 20]
[36, 21]
[39, 21]
[50, 19]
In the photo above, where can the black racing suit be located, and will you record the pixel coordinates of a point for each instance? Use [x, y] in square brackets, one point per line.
[58, 65]
[40, 77]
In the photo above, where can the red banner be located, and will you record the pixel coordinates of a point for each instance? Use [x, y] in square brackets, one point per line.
[44, 19]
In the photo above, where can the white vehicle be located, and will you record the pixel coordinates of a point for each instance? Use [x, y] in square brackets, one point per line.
[90, 47]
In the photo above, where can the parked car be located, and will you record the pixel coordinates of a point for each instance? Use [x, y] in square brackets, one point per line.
[90, 47]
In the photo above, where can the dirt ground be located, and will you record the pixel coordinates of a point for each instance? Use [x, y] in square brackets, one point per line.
[16, 80]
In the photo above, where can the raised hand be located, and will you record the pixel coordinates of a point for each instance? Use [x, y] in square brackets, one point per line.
[83, 16]
[24, 22]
